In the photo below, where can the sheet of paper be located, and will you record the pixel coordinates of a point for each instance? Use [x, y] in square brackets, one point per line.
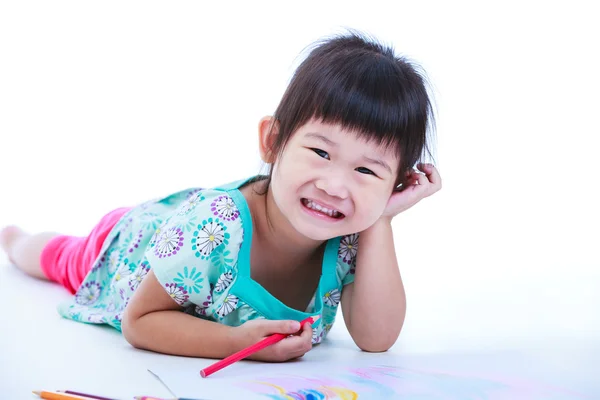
[384, 376]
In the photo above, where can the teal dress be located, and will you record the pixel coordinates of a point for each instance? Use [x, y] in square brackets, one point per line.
[198, 243]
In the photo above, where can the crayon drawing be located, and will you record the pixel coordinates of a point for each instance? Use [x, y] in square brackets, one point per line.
[383, 382]
[491, 376]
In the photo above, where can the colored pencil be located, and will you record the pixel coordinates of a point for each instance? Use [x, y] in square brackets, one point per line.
[149, 398]
[158, 398]
[58, 396]
[91, 396]
[268, 341]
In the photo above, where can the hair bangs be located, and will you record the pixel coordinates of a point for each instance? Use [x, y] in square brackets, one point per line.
[359, 84]
[364, 100]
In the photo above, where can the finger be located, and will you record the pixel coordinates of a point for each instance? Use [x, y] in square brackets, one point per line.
[425, 187]
[417, 178]
[418, 187]
[280, 326]
[425, 167]
[411, 178]
[303, 341]
[432, 173]
[291, 347]
[307, 332]
[429, 178]
[422, 179]
[301, 350]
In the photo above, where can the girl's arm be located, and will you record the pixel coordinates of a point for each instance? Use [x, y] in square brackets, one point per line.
[153, 321]
[374, 305]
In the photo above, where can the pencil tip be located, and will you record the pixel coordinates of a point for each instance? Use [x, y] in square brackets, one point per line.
[36, 392]
[316, 318]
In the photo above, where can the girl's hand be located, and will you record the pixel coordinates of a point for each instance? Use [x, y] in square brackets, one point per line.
[419, 185]
[287, 349]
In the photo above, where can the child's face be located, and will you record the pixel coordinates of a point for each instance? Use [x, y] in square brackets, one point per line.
[323, 165]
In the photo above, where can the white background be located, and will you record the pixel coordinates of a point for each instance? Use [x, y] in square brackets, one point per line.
[105, 104]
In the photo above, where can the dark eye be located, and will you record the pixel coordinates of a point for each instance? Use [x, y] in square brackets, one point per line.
[364, 170]
[321, 153]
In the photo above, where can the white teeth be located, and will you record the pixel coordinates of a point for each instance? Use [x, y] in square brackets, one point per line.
[331, 213]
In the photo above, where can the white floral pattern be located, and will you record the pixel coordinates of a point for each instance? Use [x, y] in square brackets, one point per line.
[137, 277]
[209, 245]
[317, 334]
[190, 203]
[158, 233]
[113, 261]
[200, 310]
[208, 238]
[169, 242]
[224, 281]
[96, 318]
[88, 293]
[229, 304]
[349, 247]
[225, 208]
[332, 298]
[122, 272]
[177, 293]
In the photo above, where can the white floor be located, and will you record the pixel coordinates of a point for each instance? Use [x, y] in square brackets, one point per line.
[503, 262]
[39, 350]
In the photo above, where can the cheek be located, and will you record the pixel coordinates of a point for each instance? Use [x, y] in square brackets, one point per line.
[291, 171]
[296, 166]
[283, 184]
[373, 203]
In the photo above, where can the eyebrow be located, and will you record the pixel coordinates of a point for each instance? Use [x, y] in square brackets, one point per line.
[331, 143]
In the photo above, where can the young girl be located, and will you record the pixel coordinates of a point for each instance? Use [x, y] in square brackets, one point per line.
[206, 272]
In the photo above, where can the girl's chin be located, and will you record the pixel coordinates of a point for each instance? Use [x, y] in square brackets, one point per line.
[321, 234]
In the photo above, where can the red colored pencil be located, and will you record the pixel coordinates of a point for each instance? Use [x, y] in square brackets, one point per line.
[268, 341]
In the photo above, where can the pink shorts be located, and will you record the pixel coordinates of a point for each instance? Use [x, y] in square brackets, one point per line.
[68, 259]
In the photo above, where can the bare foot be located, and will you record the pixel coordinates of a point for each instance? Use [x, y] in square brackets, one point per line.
[7, 236]
[24, 250]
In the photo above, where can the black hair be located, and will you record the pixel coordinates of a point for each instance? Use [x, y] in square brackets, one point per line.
[359, 83]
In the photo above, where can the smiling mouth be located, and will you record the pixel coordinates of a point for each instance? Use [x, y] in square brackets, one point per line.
[335, 214]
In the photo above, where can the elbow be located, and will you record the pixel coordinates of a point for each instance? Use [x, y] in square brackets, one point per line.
[128, 329]
[374, 349]
[376, 346]
[377, 342]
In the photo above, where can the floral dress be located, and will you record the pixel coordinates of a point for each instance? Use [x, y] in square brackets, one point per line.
[198, 242]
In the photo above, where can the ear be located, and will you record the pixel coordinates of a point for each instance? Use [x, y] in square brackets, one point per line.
[268, 129]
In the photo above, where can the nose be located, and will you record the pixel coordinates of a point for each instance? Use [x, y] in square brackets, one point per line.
[333, 184]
